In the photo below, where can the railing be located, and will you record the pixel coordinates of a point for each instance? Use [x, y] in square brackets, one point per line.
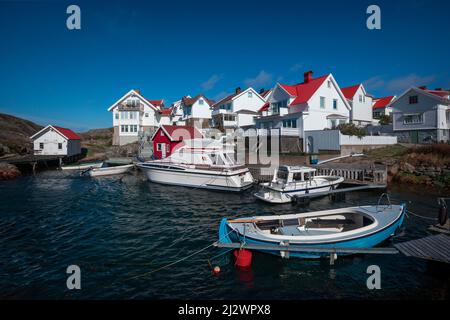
[368, 140]
[296, 132]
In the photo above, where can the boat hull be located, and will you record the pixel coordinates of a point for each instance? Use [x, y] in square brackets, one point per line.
[100, 172]
[228, 235]
[230, 181]
[84, 166]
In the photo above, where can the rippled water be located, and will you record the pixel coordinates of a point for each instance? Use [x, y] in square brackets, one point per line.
[118, 230]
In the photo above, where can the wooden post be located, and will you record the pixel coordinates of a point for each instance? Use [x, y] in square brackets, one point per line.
[34, 167]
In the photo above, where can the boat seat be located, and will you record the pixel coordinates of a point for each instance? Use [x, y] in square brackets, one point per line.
[329, 223]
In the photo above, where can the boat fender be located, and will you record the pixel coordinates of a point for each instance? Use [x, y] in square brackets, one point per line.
[243, 258]
[216, 270]
[443, 214]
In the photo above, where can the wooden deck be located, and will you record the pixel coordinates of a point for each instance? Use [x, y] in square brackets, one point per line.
[433, 248]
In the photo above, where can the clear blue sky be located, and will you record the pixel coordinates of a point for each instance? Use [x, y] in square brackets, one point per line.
[168, 49]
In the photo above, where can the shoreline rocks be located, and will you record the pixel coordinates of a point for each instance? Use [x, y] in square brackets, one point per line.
[9, 171]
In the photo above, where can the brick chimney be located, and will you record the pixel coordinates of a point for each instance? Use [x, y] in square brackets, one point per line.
[238, 90]
[138, 91]
[423, 87]
[307, 76]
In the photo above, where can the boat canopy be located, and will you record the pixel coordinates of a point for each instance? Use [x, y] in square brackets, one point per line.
[292, 174]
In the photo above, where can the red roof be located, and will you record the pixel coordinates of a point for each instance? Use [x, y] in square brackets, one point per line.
[180, 132]
[439, 92]
[69, 134]
[165, 112]
[303, 91]
[156, 103]
[349, 92]
[190, 101]
[382, 102]
[265, 107]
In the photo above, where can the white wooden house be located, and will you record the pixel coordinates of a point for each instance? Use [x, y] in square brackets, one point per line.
[133, 114]
[237, 110]
[56, 141]
[361, 105]
[196, 111]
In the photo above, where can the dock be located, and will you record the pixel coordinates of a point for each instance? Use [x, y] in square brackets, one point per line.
[431, 248]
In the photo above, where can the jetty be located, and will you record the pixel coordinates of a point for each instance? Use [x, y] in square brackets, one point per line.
[432, 248]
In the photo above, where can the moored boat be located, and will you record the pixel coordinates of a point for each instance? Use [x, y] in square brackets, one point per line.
[200, 163]
[107, 171]
[352, 227]
[290, 181]
[83, 166]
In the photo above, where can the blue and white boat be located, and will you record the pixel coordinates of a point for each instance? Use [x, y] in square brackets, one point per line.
[352, 227]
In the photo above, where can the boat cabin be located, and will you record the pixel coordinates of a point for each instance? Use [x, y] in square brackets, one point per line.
[293, 174]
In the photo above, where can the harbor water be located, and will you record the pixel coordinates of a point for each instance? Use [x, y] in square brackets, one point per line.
[120, 229]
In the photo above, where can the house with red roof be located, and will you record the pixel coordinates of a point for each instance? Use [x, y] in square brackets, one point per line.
[361, 104]
[314, 104]
[237, 110]
[196, 111]
[381, 106]
[421, 115]
[133, 115]
[168, 138]
[56, 141]
[176, 114]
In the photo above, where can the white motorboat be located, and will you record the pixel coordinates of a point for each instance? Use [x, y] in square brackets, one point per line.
[290, 181]
[107, 171]
[200, 163]
[83, 166]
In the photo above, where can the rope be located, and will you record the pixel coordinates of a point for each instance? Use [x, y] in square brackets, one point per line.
[177, 261]
[419, 216]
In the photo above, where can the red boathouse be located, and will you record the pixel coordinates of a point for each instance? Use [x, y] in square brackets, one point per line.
[168, 138]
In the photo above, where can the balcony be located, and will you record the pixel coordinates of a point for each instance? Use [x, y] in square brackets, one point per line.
[125, 107]
[221, 111]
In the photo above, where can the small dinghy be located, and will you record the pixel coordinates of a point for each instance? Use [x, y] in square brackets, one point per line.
[107, 171]
[291, 181]
[83, 166]
[353, 227]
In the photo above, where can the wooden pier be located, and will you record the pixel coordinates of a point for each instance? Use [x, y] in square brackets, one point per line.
[432, 248]
[356, 173]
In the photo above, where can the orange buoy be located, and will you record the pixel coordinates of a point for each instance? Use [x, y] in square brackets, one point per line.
[216, 270]
[243, 258]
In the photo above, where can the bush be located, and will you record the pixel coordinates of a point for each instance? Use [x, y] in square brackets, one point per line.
[349, 129]
[385, 119]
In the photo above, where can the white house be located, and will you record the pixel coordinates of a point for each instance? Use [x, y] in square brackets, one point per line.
[56, 141]
[314, 104]
[177, 113]
[381, 106]
[421, 115]
[134, 114]
[361, 104]
[196, 111]
[237, 110]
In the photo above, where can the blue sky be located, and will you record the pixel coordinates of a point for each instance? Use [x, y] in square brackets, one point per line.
[168, 49]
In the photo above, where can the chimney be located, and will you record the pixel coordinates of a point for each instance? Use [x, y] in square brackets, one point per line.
[261, 91]
[238, 90]
[307, 76]
[138, 91]
[423, 87]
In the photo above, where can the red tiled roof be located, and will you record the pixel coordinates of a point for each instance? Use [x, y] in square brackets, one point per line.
[441, 93]
[69, 134]
[156, 103]
[265, 107]
[190, 101]
[304, 91]
[382, 102]
[265, 93]
[349, 92]
[165, 112]
[185, 132]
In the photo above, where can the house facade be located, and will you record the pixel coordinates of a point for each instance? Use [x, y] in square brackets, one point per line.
[421, 115]
[133, 114]
[361, 105]
[167, 138]
[237, 110]
[196, 111]
[56, 141]
[381, 106]
[177, 113]
[314, 104]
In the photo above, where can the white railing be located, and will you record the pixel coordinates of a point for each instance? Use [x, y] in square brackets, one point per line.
[367, 140]
[296, 132]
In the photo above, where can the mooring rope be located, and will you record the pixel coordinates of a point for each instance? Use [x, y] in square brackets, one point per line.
[419, 216]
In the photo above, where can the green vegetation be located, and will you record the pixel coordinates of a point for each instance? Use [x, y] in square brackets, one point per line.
[350, 129]
[385, 119]
[396, 150]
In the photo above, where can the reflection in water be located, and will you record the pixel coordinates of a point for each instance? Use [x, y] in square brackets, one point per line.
[119, 229]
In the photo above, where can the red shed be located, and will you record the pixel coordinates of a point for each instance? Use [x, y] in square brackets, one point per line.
[168, 138]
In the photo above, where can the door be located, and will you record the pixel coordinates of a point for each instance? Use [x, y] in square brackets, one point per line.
[163, 150]
[310, 145]
[414, 135]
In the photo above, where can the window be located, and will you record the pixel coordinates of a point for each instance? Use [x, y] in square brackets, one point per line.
[250, 94]
[60, 146]
[329, 84]
[360, 98]
[275, 106]
[134, 127]
[413, 99]
[322, 102]
[162, 133]
[117, 116]
[335, 104]
[333, 124]
[200, 102]
[41, 145]
[146, 115]
[413, 118]
[290, 123]
[159, 146]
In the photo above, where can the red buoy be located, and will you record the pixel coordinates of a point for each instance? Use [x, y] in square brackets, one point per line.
[216, 270]
[243, 258]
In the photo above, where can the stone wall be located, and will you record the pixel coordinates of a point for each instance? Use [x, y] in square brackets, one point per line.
[290, 144]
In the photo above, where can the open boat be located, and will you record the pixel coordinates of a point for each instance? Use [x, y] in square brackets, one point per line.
[82, 166]
[107, 171]
[290, 181]
[200, 163]
[352, 227]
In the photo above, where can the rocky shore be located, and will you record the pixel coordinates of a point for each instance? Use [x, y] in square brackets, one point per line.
[8, 171]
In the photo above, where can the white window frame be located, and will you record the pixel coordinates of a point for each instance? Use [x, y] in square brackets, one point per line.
[323, 102]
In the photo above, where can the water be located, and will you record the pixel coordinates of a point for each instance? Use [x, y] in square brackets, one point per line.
[118, 230]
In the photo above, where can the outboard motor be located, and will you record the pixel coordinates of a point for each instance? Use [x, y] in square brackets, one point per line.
[443, 211]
